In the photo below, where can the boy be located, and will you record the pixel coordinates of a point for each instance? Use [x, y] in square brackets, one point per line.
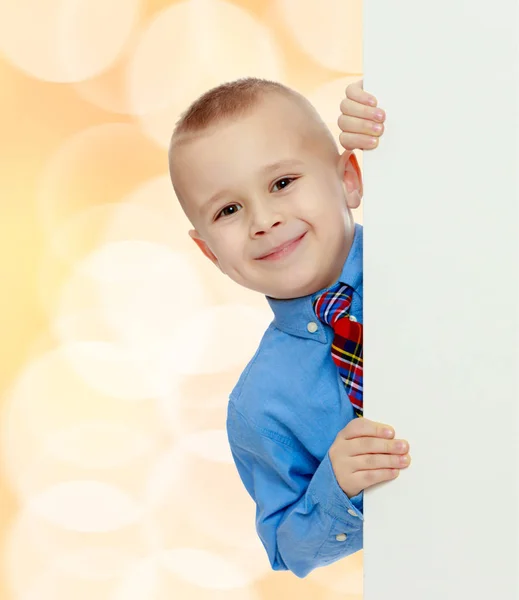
[258, 175]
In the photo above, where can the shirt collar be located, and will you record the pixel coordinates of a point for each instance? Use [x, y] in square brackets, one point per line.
[293, 316]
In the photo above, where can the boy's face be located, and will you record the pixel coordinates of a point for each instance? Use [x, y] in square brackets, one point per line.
[269, 198]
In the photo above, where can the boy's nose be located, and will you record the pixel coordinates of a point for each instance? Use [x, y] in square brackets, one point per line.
[264, 220]
[258, 231]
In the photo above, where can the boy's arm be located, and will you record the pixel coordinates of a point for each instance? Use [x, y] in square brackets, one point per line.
[303, 517]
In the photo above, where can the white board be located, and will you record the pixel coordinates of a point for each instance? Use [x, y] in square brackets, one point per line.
[441, 315]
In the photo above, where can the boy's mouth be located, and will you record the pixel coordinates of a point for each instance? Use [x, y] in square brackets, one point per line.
[283, 249]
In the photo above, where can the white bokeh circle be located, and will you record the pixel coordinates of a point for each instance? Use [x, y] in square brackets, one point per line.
[140, 581]
[86, 506]
[218, 338]
[66, 40]
[155, 578]
[77, 315]
[147, 293]
[149, 213]
[207, 490]
[96, 166]
[213, 500]
[33, 545]
[54, 584]
[164, 484]
[97, 225]
[50, 398]
[219, 573]
[344, 577]
[134, 260]
[186, 413]
[117, 370]
[328, 31]
[99, 445]
[188, 48]
[211, 444]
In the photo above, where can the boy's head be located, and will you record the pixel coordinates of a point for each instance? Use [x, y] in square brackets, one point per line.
[259, 176]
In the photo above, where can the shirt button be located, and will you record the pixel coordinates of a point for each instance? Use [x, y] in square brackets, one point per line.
[312, 327]
[352, 318]
[341, 537]
[352, 512]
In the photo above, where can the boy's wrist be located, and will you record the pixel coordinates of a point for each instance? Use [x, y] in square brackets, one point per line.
[325, 490]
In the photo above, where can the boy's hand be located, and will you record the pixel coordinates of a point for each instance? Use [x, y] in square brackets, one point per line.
[364, 453]
[361, 121]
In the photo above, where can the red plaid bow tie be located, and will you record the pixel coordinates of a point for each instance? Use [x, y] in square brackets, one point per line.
[333, 308]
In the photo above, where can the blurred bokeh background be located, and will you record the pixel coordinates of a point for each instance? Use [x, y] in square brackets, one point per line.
[119, 340]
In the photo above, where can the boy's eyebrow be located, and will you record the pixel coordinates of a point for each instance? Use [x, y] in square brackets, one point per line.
[280, 164]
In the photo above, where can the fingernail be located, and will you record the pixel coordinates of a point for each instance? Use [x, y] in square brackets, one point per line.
[373, 142]
[404, 460]
[388, 433]
[379, 115]
[377, 127]
[401, 446]
[372, 101]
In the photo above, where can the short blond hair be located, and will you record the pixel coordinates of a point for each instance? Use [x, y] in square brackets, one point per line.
[231, 99]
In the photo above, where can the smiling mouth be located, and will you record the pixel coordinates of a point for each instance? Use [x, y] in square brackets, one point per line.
[284, 250]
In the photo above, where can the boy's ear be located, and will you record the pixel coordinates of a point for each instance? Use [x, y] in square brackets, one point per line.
[206, 251]
[351, 176]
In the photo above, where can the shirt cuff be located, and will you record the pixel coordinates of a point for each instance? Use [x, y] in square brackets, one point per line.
[326, 491]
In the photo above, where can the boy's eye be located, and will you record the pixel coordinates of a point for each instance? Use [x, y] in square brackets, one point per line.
[282, 183]
[228, 210]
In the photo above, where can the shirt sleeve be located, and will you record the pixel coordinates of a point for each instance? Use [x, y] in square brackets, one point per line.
[303, 517]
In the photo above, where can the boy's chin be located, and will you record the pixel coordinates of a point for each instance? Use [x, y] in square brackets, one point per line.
[294, 283]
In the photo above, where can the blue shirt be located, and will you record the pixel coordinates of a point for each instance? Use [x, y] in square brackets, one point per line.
[283, 416]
